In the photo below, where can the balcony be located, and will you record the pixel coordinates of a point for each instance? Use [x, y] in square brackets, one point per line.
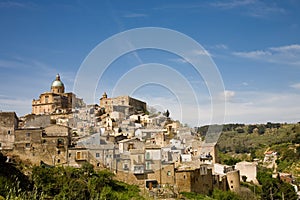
[81, 156]
[138, 169]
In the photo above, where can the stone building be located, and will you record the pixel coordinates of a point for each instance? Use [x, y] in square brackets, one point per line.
[8, 125]
[198, 180]
[208, 153]
[248, 169]
[127, 144]
[49, 144]
[229, 176]
[233, 180]
[125, 104]
[55, 101]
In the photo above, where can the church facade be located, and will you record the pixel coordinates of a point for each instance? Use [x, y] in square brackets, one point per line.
[56, 101]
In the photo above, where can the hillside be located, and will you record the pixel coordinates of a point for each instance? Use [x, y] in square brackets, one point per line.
[48, 182]
[248, 142]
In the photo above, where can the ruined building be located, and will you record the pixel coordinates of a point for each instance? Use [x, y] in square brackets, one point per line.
[122, 104]
[8, 125]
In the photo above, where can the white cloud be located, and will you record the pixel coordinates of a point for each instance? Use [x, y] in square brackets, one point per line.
[232, 4]
[288, 54]
[253, 8]
[21, 106]
[9, 4]
[201, 52]
[229, 94]
[261, 107]
[295, 86]
[221, 46]
[245, 107]
[253, 54]
[134, 15]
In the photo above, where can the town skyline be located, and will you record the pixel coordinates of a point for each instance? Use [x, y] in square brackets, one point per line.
[255, 46]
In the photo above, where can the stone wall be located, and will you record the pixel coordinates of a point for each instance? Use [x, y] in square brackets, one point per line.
[8, 124]
[233, 180]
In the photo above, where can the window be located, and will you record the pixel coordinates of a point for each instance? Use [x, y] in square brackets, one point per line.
[125, 166]
[97, 155]
[58, 152]
[78, 155]
[60, 142]
[27, 145]
[70, 155]
[27, 134]
[8, 132]
[169, 173]
[0, 144]
[147, 155]
[46, 99]
[58, 160]
[130, 146]
[148, 166]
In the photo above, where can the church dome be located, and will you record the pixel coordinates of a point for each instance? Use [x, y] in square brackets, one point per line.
[57, 85]
[57, 82]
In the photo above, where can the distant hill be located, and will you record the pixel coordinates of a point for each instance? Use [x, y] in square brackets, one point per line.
[247, 142]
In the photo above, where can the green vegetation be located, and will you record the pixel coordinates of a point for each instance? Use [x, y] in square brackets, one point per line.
[216, 195]
[257, 139]
[195, 196]
[247, 142]
[63, 183]
[274, 188]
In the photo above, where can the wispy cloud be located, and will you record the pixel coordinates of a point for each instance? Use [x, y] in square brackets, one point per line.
[229, 94]
[134, 15]
[220, 46]
[241, 107]
[289, 54]
[288, 48]
[17, 4]
[295, 86]
[253, 8]
[232, 4]
[201, 52]
[263, 106]
[21, 106]
[9, 4]
[253, 54]
[27, 64]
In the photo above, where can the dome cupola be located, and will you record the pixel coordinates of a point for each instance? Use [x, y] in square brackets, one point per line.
[57, 85]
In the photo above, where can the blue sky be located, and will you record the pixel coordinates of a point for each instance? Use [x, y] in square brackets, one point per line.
[254, 44]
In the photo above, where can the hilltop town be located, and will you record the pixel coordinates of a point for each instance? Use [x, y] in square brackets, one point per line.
[119, 134]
